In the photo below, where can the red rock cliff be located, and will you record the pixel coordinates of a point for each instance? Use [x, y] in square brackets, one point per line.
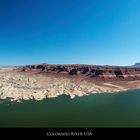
[94, 72]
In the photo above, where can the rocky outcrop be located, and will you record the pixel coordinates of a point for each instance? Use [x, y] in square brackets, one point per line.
[47, 81]
[91, 72]
[18, 86]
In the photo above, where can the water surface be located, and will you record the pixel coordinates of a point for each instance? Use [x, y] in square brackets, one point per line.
[98, 110]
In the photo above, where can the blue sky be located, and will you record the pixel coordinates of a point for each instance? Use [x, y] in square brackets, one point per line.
[102, 32]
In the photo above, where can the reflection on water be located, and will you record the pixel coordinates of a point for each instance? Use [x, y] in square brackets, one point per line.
[99, 110]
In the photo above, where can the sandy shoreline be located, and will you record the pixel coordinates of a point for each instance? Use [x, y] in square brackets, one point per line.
[17, 86]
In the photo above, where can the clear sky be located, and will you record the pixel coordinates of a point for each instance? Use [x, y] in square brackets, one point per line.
[105, 32]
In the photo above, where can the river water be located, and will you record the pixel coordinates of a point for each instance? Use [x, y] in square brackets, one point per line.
[98, 110]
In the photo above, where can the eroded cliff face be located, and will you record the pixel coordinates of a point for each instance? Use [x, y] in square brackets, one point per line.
[91, 72]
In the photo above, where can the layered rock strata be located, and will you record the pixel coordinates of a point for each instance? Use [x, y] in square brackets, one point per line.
[19, 86]
[91, 72]
[47, 81]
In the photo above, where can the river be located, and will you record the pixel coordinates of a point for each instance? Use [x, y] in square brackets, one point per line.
[98, 110]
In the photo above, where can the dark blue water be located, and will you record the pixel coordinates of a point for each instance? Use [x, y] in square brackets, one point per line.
[99, 110]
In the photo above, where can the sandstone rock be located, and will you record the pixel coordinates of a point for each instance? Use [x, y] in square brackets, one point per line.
[107, 73]
[25, 86]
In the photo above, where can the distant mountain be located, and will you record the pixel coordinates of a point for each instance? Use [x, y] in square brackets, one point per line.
[137, 64]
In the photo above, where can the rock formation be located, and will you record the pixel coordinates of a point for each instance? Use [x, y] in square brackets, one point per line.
[90, 72]
[47, 81]
[18, 86]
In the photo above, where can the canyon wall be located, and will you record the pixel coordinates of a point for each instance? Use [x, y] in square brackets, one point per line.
[93, 72]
